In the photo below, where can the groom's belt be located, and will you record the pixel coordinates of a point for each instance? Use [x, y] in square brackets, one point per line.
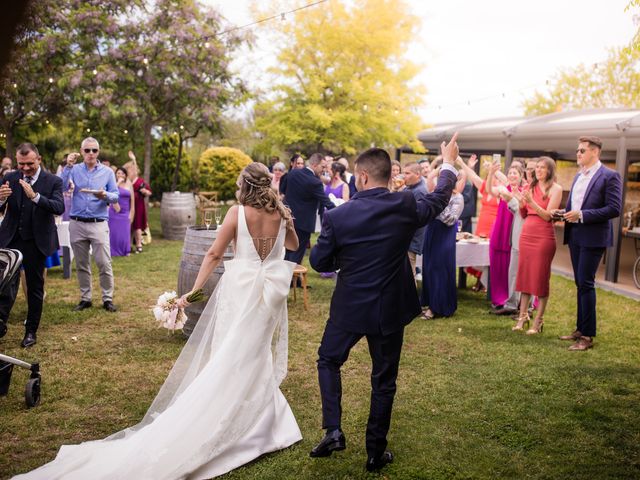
[87, 219]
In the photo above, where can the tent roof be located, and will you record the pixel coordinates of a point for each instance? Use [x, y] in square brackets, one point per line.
[556, 132]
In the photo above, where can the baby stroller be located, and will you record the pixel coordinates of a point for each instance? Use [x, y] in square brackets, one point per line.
[10, 261]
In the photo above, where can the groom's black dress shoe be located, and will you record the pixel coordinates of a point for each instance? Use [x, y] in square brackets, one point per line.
[82, 305]
[376, 463]
[332, 441]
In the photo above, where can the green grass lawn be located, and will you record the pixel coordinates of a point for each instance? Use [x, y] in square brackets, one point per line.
[474, 400]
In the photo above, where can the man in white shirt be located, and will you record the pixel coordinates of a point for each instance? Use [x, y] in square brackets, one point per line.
[595, 199]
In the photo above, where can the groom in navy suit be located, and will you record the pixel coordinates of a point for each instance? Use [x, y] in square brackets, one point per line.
[595, 199]
[304, 194]
[367, 240]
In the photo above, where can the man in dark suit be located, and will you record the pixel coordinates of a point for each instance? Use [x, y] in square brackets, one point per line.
[367, 240]
[30, 198]
[595, 199]
[304, 194]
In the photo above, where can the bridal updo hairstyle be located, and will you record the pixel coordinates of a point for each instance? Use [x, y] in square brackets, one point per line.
[255, 191]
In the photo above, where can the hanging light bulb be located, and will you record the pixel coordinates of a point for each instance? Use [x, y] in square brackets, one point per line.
[145, 61]
[50, 80]
[126, 131]
[282, 17]
[88, 130]
[15, 85]
[181, 127]
[47, 122]
[365, 107]
[95, 72]
[207, 44]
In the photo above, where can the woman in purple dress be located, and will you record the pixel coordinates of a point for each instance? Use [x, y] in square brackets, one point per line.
[339, 188]
[500, 239]
[121, 216]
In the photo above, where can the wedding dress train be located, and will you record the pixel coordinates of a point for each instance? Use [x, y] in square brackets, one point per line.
[221, 405]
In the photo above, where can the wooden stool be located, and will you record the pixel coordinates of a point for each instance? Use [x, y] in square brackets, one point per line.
[300, 272]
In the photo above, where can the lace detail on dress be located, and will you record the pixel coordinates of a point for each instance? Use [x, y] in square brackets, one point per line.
[264, 245]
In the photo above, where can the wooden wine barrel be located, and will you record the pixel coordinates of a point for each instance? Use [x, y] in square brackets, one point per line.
[177, 212]
[196, 243]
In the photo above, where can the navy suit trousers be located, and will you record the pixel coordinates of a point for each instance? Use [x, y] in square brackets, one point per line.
[585, 261]
[385, 355]
[33, 261]
[296, 256]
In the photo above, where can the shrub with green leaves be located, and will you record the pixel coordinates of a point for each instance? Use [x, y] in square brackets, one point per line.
[219, 168]
[164, 165]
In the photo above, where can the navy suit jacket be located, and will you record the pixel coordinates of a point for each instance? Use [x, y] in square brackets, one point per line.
[602, 202]
[367, 239]
[303, 194]
[51, 203]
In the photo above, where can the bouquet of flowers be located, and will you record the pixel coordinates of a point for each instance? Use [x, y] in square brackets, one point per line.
[168, 314]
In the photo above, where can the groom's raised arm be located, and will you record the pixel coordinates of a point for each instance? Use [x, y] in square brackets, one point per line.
[430, 205]
[323, 254]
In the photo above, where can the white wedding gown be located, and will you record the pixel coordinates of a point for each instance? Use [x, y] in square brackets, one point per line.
[221, 405]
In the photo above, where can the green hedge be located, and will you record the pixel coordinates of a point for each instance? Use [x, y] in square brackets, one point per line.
[219, 168]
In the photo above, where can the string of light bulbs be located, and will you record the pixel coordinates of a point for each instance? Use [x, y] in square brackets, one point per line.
[202, 41]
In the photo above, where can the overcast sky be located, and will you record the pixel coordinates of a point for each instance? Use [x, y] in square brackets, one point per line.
[483, 57]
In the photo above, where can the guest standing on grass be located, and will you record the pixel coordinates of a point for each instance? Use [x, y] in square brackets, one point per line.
[499, 242]
[595, 199]
[95, 189]
[121, 216]
[439, 291]
[417, 186]
[537, 242]
[141, 191]
[31, 197]
[488, 211]
[304, 194]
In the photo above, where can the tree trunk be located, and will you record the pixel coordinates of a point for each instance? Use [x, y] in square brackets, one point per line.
[176, 173]
[147, 150]
[9, 144]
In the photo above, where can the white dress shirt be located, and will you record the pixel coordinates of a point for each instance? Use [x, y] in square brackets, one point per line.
[581, 185]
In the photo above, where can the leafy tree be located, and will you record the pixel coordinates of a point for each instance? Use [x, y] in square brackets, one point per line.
[163, 167]
[168, 66]
[613, 83]
[218, 169]
[345, 81]
[36, 88]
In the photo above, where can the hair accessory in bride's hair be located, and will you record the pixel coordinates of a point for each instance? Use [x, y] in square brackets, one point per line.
[253, 184]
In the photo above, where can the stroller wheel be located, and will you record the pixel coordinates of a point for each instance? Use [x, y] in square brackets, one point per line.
[32, 392]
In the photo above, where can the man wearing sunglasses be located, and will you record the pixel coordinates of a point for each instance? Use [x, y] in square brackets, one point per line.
[94, 189]
[594, 200]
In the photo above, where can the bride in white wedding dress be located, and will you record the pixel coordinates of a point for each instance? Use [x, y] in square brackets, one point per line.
[221, 405]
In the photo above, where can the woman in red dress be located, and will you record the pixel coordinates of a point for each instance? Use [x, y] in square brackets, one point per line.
[537, 242]
[141, 190]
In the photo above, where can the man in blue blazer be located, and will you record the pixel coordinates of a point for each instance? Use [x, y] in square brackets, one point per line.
[595, 199]
[367, 240]
[30, 197]
[304, 194]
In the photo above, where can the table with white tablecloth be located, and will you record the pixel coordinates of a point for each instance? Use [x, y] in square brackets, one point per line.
[472, 254]
[65, 243]
[468, 254]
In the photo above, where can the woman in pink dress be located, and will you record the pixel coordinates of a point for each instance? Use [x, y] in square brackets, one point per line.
[499, 241]
[141, 190]
[537, 242]
[488, 209]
